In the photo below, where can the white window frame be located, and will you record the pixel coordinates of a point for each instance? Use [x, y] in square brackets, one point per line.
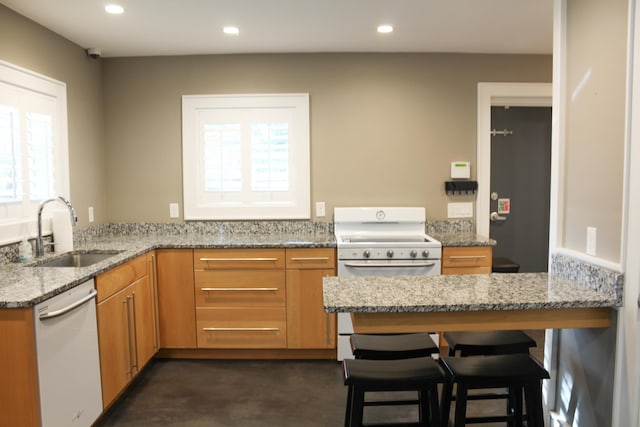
[17, 226]
[293, 204]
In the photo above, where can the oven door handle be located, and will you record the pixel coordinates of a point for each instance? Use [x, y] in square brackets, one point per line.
[388, 265]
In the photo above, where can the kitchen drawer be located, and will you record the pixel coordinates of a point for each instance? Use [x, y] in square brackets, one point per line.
[119, 277]
[221, 259]
[242, 327]
[468, 256]
[226, 288]
[311, 258]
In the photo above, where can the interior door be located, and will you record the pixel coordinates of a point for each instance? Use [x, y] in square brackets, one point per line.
[520, 184]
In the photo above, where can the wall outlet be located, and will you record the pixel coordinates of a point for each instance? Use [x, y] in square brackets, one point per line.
[174, 210]
[91, 217]
[460, 210]
[591, 241]
[320, 211]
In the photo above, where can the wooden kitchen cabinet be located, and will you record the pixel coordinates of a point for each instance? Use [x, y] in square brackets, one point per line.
[19, 401]
[176, 302]
[126, 324]
[466, 260]
[308, 325]
[240, 298]
[115, 345]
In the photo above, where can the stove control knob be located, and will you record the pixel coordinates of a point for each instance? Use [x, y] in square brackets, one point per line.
[413, 254]
[389, 254]
[425, 254]
[366, 254]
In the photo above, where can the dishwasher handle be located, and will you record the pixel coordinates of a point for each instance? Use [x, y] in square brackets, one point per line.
[60, 312]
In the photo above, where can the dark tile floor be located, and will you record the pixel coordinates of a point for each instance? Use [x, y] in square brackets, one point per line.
[248, 393]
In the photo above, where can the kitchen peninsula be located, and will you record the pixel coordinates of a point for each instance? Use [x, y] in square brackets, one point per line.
[474, 302]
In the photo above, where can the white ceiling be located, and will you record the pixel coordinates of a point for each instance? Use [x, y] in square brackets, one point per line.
[186, 27]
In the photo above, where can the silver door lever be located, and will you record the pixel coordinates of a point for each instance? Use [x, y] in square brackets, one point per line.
[496, 217]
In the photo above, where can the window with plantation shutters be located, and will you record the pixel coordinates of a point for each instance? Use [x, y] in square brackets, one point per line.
[33, 148]
[246, 156]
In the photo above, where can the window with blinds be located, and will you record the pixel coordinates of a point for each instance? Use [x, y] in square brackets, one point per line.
[33, 147]
[246, 156]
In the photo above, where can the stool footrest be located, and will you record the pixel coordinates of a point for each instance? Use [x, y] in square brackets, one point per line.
[488, 396]
[391, 402]
[493, 396]
[396, 425]
[493, 419]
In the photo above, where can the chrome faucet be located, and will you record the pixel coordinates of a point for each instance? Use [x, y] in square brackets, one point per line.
[74, 219]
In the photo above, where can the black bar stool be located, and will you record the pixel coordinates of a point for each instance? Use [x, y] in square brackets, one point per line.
[517, 372]
[421, 374]
[488, 343]
[390, 347]
[485, 344]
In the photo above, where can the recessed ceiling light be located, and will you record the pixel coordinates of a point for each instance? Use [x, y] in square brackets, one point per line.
[384, 29]
[114, 9]
[231, 30]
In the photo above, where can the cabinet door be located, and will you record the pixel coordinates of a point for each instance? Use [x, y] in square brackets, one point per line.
[308, 325]
[143, 312]
[114, 339]
[176, 301]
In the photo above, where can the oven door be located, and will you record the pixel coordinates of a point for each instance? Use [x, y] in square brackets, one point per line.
[354, 268]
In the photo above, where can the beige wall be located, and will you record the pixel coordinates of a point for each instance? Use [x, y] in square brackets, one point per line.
[31, 46]
[384, 127]
[595, 124]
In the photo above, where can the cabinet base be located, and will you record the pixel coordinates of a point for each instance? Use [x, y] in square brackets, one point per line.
[189, 353]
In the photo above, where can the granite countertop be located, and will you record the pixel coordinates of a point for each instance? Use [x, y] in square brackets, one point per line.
[463, 239]
[459, 293]
[22, 285]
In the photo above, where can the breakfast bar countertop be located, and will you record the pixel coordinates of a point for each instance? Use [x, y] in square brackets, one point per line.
[517, 291]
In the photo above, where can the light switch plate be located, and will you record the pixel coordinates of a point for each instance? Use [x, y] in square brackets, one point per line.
[174, 210]
[460, 210]
[91, 217]
[591, 241]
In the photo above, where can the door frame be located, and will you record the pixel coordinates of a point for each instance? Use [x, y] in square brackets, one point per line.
[501, 95]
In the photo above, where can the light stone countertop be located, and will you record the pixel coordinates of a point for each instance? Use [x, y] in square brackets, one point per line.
[22, 285]
[515, 291]
[457, 239]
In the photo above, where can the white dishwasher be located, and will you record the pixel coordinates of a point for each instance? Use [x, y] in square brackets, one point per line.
[68, 359]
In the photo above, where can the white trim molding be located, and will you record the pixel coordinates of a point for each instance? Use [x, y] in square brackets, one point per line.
[499, 94]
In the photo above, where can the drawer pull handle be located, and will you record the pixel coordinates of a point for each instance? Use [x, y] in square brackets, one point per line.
[467, 257]
[241, 329]
[356, 264]
[237, 259]
[310, 259]
[238, 289]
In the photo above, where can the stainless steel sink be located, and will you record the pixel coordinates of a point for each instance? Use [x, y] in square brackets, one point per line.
[76, 259]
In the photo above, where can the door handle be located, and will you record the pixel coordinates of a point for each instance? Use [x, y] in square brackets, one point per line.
[496, 217]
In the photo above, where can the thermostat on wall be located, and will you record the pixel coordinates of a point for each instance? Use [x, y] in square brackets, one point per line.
[460, 170]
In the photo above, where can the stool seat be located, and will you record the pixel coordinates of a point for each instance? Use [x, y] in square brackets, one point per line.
[488, 343]
[504, 265]
[498, 368]
[517, 372]
[389, 347]
[405, 373]
[417, 374]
